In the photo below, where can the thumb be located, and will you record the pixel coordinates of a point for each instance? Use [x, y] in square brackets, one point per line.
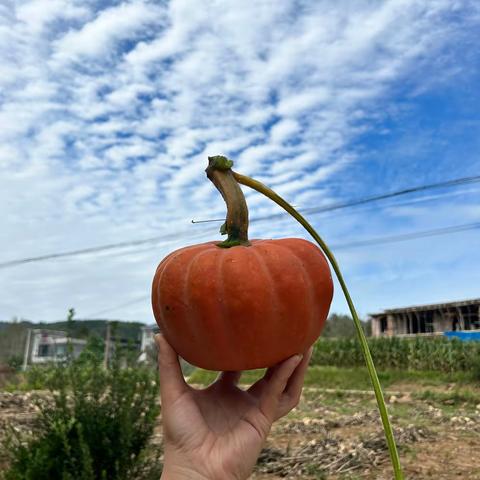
[172, 383]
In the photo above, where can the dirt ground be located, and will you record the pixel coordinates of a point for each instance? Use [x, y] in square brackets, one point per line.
[337, 435]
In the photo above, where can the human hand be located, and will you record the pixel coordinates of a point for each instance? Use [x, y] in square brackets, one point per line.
[218, 432]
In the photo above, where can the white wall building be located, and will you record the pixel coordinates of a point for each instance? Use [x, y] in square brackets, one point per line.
[147, 340]
[45, 346]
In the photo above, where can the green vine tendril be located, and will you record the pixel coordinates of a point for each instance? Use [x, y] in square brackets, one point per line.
[263, 189]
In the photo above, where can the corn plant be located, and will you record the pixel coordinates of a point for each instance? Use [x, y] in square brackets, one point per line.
[436, 354]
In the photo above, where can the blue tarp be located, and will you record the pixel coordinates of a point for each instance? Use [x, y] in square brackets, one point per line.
[464, 336]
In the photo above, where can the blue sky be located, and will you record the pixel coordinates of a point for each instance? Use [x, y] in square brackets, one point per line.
[108, 111]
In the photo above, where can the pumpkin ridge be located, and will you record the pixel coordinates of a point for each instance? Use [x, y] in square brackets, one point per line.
[191, 316]
[204, 325]
[317, 313]
[309, 282]
[168, 260]
[221, 293]
[158, 288]
[178, 252]
[271, 281]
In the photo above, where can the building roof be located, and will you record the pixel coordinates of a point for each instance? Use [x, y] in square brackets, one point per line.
[58, 336]
[432, 306]
[62, 340]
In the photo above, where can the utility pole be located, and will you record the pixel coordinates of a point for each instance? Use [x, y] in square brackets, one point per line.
[107, 347]
[27, 350]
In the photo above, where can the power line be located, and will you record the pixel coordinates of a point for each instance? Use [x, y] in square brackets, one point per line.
[82, 251]
[117, 307]
[344, 246]
[389, 239]
[399, 238]
[178, 235]
[408, 236]
[365, 200]
[101, 248]
[415, 201]
[421, 188]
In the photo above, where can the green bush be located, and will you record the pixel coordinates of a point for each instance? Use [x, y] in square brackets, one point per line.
[476, 368]
[96, 425]
[15, 362]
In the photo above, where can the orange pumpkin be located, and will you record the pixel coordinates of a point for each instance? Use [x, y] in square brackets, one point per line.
[247, 306]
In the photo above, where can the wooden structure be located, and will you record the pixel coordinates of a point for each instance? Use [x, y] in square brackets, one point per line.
[432, 319]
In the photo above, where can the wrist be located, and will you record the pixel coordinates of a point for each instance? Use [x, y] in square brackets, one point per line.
[179, 472]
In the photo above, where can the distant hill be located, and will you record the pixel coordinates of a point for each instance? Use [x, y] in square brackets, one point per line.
[336, 326]
[84, 328]
[341, 326]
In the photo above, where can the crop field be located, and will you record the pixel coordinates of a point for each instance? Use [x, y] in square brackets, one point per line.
[338, 435]
[335, 432]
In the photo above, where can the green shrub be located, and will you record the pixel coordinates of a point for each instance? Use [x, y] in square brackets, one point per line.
[476, 368]
[15, 362]
[39, 377]
[96, 425]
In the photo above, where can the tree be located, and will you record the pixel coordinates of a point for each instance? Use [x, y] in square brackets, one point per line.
[342, 326]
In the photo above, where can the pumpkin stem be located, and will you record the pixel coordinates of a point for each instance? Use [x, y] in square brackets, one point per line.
[263, 189]
[219, 172]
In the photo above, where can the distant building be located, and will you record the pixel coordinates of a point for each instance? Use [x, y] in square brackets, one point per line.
[147, 340]
[148, 349]
[435, 319]
[45, 346]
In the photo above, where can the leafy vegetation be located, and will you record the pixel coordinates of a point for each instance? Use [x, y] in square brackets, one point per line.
[339, 363]
[354, 378]
[96, 426]
[455, 397]
[342, 326]
[430, 354]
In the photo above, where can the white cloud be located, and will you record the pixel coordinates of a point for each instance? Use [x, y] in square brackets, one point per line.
[99, 36]
[109, 110]
[38, 14]
[284, 130]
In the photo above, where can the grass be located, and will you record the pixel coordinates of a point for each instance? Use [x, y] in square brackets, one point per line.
[454, 397]
[316, 472]
[350, 378]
